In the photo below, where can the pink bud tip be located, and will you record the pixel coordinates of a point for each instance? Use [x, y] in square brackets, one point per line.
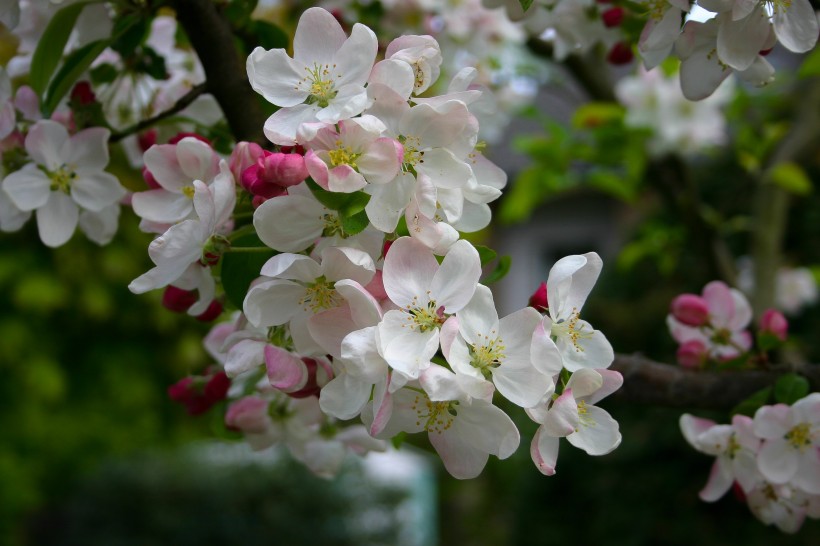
[613, 16]
[539, 298]
[690, 309]
[773, 322]
[621, 53]
[177, 299]
[211, 313]
[147, 139]
[692, 354]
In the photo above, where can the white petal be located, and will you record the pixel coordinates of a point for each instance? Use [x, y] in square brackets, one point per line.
[277, 77]
[101, 226]
[409, 269]
[600, 436]
[161, 206]
[318, 37]
[455, 281]
[289, 223]
[478, 317]
[88, 149]
[95, 191]
[272, 303]
[57, 219]
[44, 143]
[720, 480]
[281, 127]
[796, 26]
[544, 451]
[777, 461]
[28, 188]
[344, 396]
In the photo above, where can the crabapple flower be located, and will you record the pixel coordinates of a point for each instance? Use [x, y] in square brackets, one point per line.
[791, 443]
[66, 178]
[735, 447]
[488, 348]
[324, 81]
[573, 416]
[724, 333]
[661, 30]
[175, 167]
[426, 295]
[773, 322]
[423, 54]
[569, 283]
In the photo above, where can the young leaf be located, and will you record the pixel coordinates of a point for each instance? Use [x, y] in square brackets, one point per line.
[355, 223]
[790, 388]
[74, 66]
[50, 47]
[525, 4]
[757, 400]
[486, 254]
[500, 271]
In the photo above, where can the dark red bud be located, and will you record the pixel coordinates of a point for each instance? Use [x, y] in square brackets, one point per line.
[539, 298]
[82, 94]
[211, 313]
[764, 52]
[147, 139]
[621, 53]
[178, 300]
[150, 181]
[179, 136]
[217, 387]
[613, 16]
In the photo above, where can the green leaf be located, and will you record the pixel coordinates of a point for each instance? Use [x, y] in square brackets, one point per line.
[130, 31]
[239, 269]
[500, 271]
[349, 203]
[595, 114]
[525, 4]
[756, 401]
[790, 388]
[75, 64]
[104, 73]
[792, 178]
[398, 440]
[811, 66]
[486, 254]
[51, 45]
[355, 223]
[767, 341]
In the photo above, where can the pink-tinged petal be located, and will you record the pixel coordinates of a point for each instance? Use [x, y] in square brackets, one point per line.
[742, 311]
[778, 461]
[57, 219]
[720, 480]
[345, 179]
[562, 419]
[28, 188]
[290, 223]
[347, 263]
[487, 428]
[444, 168]
[479, 316]
[808, 470]
[161, 206]
[244, 356]
[161, 160]
[585, 382]
[455, 282]
[318, 37]
[380, 163]
[388, 201]
[382, 410]
[772, 422]
[684, 334]
[292, 266]
[197, 160]
[272, 303]
[544, 452]
[440, 384]
[355, 58]
[317, 169]
[286, 371]
[281, 127]
[569, 283]
[350, 101]
[26, 101]
[96, 190]
[364, 308]
[409, 269]
[796, 26]
[598, 438]
[44, 143]
[544, 353]
[329, 327]
[692, 427]
[277, 77]
[460, 458]
[8, 119]
[447, 335]
[740, 41]
[344, 396]
[398, 75]
[612, 382]
[744, 432]
[88, 149]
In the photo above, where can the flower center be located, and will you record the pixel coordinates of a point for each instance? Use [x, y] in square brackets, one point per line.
[333, 226]
[424, 318]
[322, 87]
[733, 447]
[799, 436]
[343, 155]
[62, 178]
[775, 6]
[320, 295]
[188, 191]
[436, 416]
[412, 154]
[569, 328]
[487, 354]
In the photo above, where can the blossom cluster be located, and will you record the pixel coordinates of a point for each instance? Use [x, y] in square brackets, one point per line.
[733, 37]
[773, 459]
[713, 327]
[348, 319]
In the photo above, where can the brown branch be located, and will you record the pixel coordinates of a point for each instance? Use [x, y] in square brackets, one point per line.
[653, 383]
[212, 38]
[178, 106]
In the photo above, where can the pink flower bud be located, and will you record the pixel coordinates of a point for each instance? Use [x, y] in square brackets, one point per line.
[692, 354]
[284, 169]
[690, 309]
[318, 375]
[773, 322]
[177, 299]
[539, 298]
[150, 181]
[243, 156]
[211, 313]
[147, 139]
[216, 389]
[621, 53]
[249, 414]
[613, 16]
[199, 393]
[258, 200]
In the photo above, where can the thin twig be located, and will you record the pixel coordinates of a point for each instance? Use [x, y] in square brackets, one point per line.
[180, 105]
